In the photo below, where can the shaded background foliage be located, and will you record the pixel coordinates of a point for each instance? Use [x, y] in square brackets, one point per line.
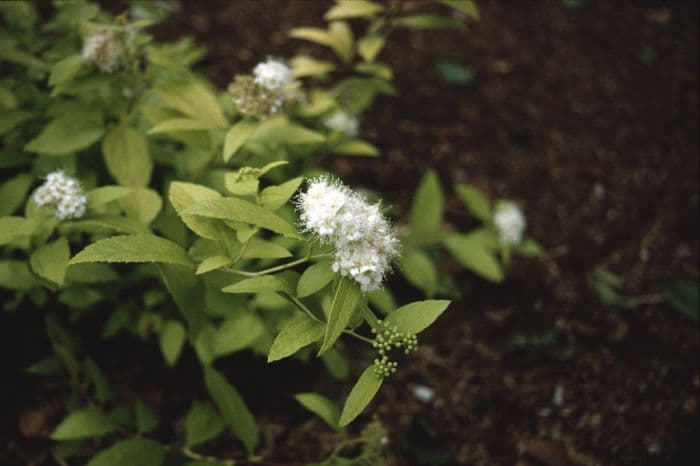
[584, 112]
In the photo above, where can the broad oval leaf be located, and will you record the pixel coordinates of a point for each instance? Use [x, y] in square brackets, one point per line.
[415, 317]
[419, 270]
[68, 133]
[320, 406]
[345, 300]
[314, 278]
[238, 210]
[361, 394]
[426, 210]
[477, 203]
[202, 424]
[137, 451]
[353, 9]
[237, 136]
[84, 423]
[172, 339]
[133, 248]
[274, 197]
[473, 254]
[261, 284]
[50, 260]
[300, 332]
[232, 407]
[127, 157]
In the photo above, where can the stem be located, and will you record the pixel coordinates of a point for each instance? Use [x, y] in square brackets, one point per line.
[306, 310]
[187, 453]
[278, 268]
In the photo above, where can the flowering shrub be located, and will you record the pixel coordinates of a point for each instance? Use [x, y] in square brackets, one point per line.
[145, 163]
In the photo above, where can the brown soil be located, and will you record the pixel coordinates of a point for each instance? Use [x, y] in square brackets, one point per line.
[601, 150]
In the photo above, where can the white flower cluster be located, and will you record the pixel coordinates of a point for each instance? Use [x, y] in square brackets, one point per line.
[364, 242]
[62, 192]
[273, 74]
[510, 223]
[104, 50]
[343, 123]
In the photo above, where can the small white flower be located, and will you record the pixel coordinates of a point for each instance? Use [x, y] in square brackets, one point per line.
[343, 123]
[273, 74]
[104, 50]
[510, 223]
[364, 241]
[62, 192]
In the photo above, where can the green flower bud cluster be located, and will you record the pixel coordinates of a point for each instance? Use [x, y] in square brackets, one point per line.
[387, 337]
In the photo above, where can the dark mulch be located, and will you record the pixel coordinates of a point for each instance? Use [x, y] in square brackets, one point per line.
[588, 118]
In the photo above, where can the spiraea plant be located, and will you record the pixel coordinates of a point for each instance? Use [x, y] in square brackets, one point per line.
[197, 219]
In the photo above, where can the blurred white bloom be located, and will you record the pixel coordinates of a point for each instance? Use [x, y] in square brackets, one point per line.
[510, 223]
[364, 242]
[558, 397]
[423, 393]
[343, 123]
[273, 74]
[104, 50]
[62, 192]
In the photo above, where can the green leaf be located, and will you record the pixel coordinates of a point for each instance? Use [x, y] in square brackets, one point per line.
[529, 248]
[345, 300]
[106, 224]
[427, 207]
[454, 73]
[279, 130]
[237, 332]
[142, 204]
[202, 424]
[274, 197]
[12, 228]
[65, 70]
[50, 260]
[427, 21]
[314, 278]
[684, 297]
[91, 273]
[103, 392]
[182, 124]
[261, 284]
[262, 249]
[467, 7]
[361, 394]
[15, 275]
[238, 210]
[356, 147]
[213, 263]
[232, 407]
[127, 157]
[320, 406]
[369, 47]
[104, 195]
[304, 65]
[172, 339]
[353, 9]
[145, 418]
[183, 195]
[83, 423]
[187, 292]
[194, 100]
[237, 136]
[133, 248]
[383, 300]
[415, 317]
[137, 451]
[475, 201]
[10, 119]
[13, 192]
[378, 70]
[419, 270]
[68, 133]
[300, 332]
[474, 254]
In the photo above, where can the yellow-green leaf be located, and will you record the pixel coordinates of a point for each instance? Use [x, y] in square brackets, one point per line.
[237, 136]
[133, 248]
[300, 332]
[415, 317]
[361, 394]
[50, 260]
[127, 157]
[345, 300]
